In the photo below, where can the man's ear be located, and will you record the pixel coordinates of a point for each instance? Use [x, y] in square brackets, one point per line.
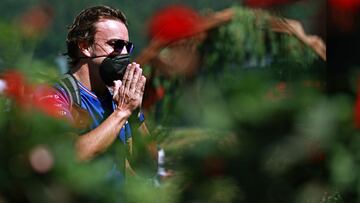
[85, 48]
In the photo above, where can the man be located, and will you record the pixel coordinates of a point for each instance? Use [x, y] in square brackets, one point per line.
[98, 48]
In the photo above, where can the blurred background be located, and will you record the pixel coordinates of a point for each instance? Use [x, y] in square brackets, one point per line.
[248, 100]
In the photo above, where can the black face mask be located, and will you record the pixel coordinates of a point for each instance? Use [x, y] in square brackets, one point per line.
[113, 68]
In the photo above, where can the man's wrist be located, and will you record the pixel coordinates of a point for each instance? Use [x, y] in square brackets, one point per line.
[122, 113]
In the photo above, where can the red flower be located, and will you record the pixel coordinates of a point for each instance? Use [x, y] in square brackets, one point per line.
[343, 14]
[345, 4]
[281, 87]
[213, 166]
[279, 91]
[160, 92]
[15, 86]
[357, 109]
[174, 22]
[152, 95]
[36, 20]
[27, 96]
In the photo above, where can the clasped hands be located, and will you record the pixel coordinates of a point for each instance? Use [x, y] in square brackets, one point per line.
[129, 92]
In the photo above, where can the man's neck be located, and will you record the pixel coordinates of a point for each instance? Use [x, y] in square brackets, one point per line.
[89, 80]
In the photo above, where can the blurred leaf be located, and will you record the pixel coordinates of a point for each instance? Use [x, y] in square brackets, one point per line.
[343, 167]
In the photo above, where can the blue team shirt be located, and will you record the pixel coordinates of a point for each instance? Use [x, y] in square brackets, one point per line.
[98, 108]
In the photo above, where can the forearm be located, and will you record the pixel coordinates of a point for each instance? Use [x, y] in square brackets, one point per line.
[99, 139]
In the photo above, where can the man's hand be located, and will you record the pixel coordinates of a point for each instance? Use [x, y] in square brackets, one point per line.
[129, 93]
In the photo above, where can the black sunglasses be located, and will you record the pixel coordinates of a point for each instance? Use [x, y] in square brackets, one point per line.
[119, 44]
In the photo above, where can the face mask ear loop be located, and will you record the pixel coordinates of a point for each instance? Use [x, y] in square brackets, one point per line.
[111, 56]
[91, 57]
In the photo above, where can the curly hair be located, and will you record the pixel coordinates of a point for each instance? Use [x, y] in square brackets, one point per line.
[83, 28]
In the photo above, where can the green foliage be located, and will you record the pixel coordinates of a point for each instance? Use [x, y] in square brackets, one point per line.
[247, 129]
[167, 193]
[248, 41]
[261, 94]
[10, 43]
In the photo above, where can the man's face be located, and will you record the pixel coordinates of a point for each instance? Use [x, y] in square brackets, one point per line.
[107, 32]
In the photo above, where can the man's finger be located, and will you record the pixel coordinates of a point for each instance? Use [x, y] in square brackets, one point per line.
[140, 86]
[129, 77]
[117, 85]
[143, 86]
[126, 74]
[122, 96]
[135, 80]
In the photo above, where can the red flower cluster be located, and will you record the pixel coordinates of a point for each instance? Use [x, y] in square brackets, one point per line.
[15, 86]
[28, 96]
[280, 91]
[343, 14]
[152, 95]
[345, 4]
[36, 20]
[174, 22]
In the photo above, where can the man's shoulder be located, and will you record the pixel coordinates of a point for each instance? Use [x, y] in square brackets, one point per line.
[60, 93]
[59, 89]
[53, 98]
[44, 92]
